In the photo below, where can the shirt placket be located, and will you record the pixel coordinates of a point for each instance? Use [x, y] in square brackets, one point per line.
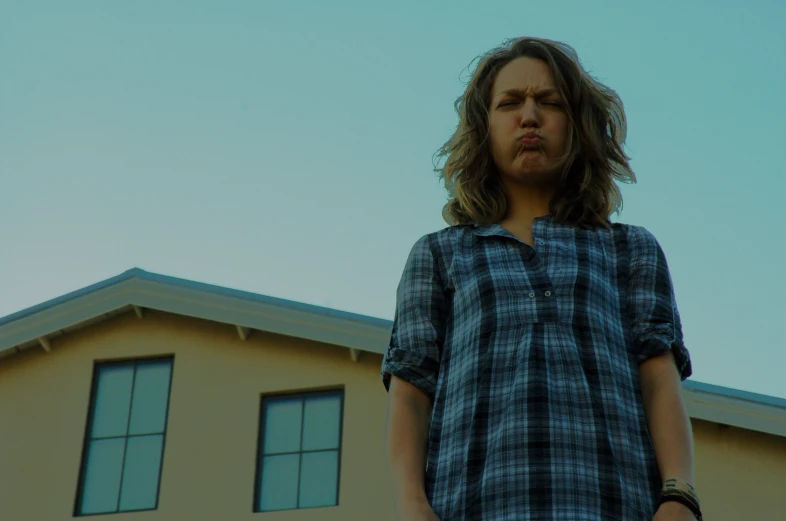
[542, 289]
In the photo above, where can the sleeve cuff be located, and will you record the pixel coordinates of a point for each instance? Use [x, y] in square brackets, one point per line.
[656, 346]
[421, 371]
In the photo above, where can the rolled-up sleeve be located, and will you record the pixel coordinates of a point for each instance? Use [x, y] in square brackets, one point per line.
[418, 325]
[655, 318]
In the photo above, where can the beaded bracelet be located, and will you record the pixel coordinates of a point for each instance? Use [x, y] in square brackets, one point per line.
[681, 492]
[676, 483]
[671, 492]
[685, 501]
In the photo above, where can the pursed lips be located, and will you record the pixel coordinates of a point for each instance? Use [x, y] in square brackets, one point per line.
[530, 141]
[529, 138]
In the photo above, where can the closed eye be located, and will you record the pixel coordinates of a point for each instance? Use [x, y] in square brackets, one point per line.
[510, 103]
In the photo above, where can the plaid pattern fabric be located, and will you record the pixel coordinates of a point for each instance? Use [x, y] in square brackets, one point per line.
[530, 356]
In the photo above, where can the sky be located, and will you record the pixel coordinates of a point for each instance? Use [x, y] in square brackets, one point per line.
[286, 147]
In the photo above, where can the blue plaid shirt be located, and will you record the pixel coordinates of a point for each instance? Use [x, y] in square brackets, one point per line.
[530, 355]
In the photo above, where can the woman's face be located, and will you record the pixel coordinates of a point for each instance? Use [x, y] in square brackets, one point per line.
[528, 124]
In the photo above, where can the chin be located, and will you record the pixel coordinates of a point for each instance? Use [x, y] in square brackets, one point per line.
[533, 176]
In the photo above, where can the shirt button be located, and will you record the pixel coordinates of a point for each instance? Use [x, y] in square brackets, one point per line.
[548, 293]
[532, 294]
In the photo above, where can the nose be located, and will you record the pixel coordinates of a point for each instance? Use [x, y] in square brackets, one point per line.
[530, 114]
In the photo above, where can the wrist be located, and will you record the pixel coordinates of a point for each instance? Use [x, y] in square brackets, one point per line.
[405, 506]
[679, 496]
[411, 497]
[677, 510]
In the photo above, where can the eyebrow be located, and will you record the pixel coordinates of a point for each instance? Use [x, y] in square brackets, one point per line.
[519, 92]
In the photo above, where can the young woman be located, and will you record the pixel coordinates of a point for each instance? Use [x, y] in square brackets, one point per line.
[535, 364]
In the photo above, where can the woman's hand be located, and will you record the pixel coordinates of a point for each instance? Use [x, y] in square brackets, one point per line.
[673, 511]
[416, 511]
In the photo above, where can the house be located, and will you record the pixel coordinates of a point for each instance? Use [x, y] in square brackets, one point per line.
[167, 399]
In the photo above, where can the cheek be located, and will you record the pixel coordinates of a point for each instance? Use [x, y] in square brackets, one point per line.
[498, 153]
[561, 129]
[499, 137]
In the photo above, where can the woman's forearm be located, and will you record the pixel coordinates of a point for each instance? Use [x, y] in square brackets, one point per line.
[667, 418]
[409, 417]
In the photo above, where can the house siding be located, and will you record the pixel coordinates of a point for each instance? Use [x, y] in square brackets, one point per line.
[209, 462]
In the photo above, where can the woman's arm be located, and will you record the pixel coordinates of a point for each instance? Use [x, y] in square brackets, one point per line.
[410, 372]
[409, 417]
[669, 426]
[663, 363]
[667, 419]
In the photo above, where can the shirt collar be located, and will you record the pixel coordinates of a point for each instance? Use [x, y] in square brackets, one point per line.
[490, 230]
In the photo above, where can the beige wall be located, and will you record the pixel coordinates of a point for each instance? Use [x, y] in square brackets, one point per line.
[209, 460]
[740, 474]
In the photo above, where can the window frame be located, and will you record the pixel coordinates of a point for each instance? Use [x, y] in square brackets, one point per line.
[97, 366]
[262, 424]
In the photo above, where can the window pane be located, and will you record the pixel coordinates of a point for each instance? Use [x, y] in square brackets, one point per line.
[141, 472]
[321, 422]
[102, 476]
[282, 425]
[319, 479]
[113, 398]
[151, 393]
[279, 482]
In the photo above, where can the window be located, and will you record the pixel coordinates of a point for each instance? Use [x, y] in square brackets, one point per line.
[299, 451]
[124, 439]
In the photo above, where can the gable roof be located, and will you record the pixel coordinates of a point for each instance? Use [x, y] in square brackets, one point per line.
[136, 290]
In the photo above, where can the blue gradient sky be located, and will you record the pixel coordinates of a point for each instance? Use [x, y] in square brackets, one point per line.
[285, 147]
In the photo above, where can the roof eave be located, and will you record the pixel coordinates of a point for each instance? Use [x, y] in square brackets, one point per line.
[139, 289]
[736, 408]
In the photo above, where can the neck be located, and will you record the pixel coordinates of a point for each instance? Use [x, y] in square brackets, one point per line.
[525, 203]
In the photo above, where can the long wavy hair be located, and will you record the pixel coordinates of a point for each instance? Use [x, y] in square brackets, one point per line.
[594, 160]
